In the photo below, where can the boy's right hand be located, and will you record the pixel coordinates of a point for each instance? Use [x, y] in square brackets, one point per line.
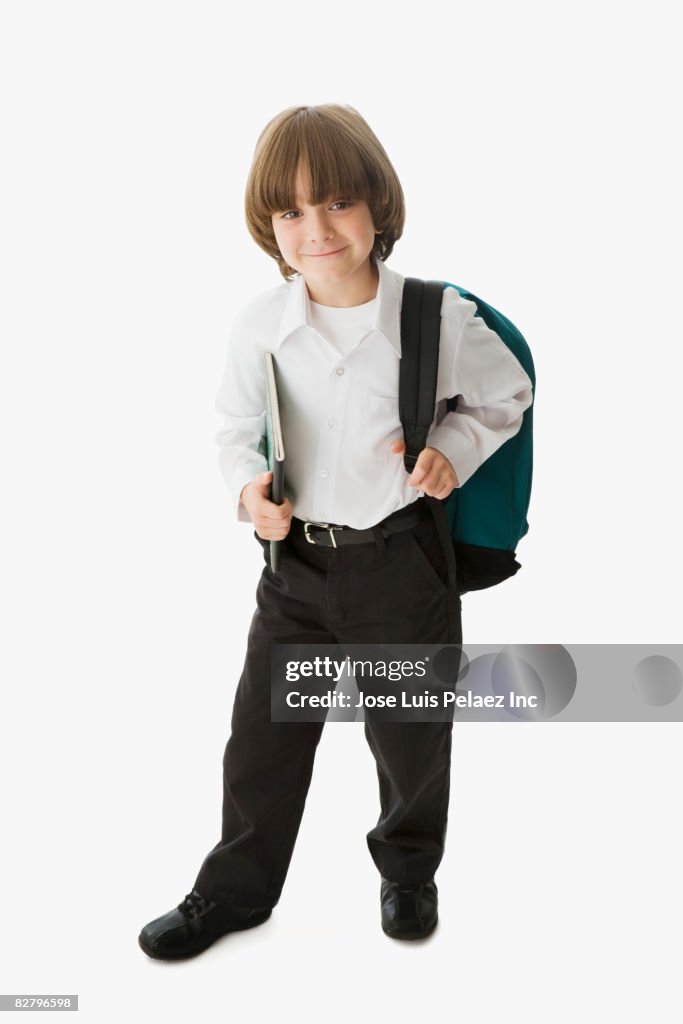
[272, 521]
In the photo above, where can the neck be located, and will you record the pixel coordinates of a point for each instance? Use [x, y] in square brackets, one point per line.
[360, 287]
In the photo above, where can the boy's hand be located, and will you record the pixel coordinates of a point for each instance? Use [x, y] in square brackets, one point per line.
[272, 521]
[432, 473]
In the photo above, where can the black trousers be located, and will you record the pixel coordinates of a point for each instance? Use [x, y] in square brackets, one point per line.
[396, 590]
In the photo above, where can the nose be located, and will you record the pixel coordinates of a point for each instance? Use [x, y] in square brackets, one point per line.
[319, 227]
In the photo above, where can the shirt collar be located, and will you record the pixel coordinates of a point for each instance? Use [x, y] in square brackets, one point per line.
[387, 319]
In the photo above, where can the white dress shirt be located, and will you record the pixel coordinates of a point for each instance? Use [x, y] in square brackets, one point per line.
[339, 399]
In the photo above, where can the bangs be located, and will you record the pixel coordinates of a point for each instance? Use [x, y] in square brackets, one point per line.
[333, 168]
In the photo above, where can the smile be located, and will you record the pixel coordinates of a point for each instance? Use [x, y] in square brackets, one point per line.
[322, 255]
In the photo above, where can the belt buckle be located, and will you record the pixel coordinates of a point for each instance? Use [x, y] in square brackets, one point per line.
[325, 526]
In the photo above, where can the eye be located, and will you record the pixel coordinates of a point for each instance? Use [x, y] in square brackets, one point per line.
[338, 202]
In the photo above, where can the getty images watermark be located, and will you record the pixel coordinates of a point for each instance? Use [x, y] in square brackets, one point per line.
[477, 682]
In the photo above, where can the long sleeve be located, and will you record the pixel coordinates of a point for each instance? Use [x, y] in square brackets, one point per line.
[241, 403]
[493, 391]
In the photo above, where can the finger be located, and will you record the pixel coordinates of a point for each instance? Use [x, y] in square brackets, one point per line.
[423, 471]
[276, 512]
[429, 484]
[274, 533]
[440, 488]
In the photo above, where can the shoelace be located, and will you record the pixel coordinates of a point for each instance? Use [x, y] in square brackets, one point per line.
[193, 905]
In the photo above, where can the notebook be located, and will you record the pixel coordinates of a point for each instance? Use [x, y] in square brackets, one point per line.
[275, 448]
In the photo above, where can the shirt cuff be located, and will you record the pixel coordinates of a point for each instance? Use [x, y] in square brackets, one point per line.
[460, 452]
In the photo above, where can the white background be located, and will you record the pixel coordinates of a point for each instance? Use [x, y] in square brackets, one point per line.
[537, 148]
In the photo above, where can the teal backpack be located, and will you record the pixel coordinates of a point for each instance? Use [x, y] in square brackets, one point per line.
[486, 517]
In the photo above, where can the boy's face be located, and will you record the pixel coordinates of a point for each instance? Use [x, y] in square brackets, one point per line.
[343, 230]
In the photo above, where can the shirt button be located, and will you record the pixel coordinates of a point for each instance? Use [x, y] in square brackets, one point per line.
[323, 472]
[331, 423]
[340, 370]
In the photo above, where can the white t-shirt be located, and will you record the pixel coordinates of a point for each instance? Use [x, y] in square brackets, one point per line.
[343, 326]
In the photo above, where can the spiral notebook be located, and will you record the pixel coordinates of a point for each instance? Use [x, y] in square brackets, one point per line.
[275, 448]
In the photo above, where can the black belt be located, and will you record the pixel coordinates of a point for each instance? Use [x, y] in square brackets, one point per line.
[329, 535]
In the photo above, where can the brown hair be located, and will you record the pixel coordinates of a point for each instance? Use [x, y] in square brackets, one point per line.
[343, 157]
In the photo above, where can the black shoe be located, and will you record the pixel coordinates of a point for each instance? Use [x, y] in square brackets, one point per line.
[194, 925]
[409, 911]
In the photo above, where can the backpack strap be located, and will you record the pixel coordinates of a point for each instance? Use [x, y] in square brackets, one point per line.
[420, 336]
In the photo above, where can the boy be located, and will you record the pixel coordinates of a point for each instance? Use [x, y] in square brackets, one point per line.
[361, 561]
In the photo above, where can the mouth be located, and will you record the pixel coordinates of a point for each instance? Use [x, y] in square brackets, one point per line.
[323, 255]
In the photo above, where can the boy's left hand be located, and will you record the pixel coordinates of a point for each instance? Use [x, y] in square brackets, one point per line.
[432, 473]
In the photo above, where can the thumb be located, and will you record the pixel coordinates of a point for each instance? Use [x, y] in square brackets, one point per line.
[421, 466]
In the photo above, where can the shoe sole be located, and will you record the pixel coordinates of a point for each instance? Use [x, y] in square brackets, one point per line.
[196, 952]
[411, 936]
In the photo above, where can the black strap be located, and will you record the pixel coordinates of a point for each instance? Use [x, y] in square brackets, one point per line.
[420, 335]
